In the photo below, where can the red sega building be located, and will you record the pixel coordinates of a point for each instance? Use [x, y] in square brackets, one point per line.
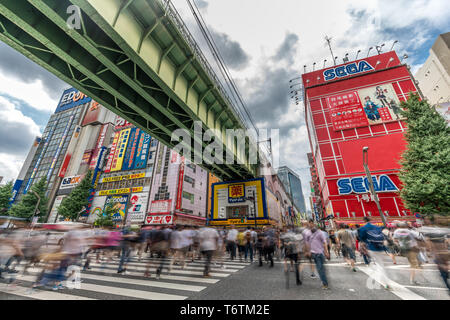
[348, 107]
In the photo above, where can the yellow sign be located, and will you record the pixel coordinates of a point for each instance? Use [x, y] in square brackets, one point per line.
[120, 191]
[120, 151]
[125, 177]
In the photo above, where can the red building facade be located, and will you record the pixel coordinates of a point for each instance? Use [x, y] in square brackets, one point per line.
[348, 107]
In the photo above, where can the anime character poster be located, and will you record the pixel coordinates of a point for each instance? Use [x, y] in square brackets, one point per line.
[380, 104]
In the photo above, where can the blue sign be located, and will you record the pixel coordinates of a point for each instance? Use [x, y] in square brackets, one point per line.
[361, 185]
[130, 153]
[95, 178]
[143, 146]
[71, 98]
[16, 189]
[347, 70]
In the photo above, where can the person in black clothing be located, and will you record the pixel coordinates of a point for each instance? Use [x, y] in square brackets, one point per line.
[260, 246]
[334, 244]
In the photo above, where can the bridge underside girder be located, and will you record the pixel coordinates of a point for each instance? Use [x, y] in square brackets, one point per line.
[159, 85]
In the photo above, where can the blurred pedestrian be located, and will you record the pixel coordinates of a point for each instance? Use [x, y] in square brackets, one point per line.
[208, 238]
[231, 241]
[318, 250]
[346, 241]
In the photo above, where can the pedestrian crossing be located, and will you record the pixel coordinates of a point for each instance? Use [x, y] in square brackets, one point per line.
[102, 282]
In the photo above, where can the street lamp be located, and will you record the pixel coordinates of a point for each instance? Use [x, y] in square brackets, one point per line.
[370, 181]
[357, 54]
[393, 44]
[252, 198]
[369, 51]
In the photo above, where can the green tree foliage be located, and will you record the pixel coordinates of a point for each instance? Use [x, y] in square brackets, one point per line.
[104, 219]
[5, 196]
[425, 172]
[73, 204]
[25, 208]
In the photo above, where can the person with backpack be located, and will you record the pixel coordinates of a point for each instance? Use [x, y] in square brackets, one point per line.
[407, 242]
[292, 243]
[346, 241]
[390, 244]
[249, 242]
[373, 238]
[269, 244]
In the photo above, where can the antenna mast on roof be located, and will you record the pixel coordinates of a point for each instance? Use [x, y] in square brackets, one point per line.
[328, 40]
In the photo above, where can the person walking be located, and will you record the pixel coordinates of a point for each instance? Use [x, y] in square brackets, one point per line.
[306, 233]
[249, 243]
[231, 242]
[209, 239]
[374, 239]
[292, 243]
[270, 241]
[241, 241]
[318, 250]
[346, 241]
[390, 244]
[407, 242]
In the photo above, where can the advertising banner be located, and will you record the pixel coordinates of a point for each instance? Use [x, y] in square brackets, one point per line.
[346, 111]
[97, 208]
[180, 186]
[86, 157]
[54, 212]
[71, 98]
[143, 146]
[160, 206]
[120, 206]
[38, 162]
[112, 152]
[120, 191]
[236, 193]
[95, 178]
[92, 113]
[138, 207]
[158, 220]
[71, 182]
[70, 149]
[121, 123]
[98, 145]
[15, 190]
[120, 152]
[60, 145]
[130, 152]
[125, 177]
[381, 103]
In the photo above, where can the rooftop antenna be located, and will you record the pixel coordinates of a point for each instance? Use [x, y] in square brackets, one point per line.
[328, 40]
[314, 65]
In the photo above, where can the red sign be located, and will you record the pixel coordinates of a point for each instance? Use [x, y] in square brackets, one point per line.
[346, 111]
[63, 171]
[112, 152]
[160, 207]
[164, 219]
[98, 145]
[121, 123]
[92, 113]
[180, 186]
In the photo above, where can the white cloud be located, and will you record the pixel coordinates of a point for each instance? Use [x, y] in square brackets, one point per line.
[10, 166]
[33, 93]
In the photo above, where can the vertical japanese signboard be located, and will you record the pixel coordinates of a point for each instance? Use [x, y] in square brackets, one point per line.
[142, 150]
[130, 152]
[121, 147]
[112, 152]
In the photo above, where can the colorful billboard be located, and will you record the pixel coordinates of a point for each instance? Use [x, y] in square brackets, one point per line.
[70, 149]
[160, 207]
[97, 208]
[112, 152]
[120, 152]
[120, 206]
[71, 182]
[98, 145]
[60, 146]
[142, 150]
[158, 220]
[71, 98]
[95, 178]
[138, 207]
[128, 161]
[92, 113]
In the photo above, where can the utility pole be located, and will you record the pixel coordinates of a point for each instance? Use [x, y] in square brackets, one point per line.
[370, 181]
[328, 40]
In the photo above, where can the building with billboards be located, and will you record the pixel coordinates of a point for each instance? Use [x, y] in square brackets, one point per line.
[48, 155]
[293, 185]
[349, 107]
[179, 191]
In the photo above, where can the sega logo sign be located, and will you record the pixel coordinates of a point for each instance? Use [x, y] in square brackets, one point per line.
[347, 70]
[71, 98]
[361, 185]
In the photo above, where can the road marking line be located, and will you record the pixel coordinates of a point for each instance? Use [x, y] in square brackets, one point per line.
[431, 288]
[174, 267]
[397, 289]
[149, 295]
[43, 294]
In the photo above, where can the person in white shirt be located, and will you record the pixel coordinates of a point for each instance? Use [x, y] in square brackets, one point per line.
[180, 243]
[208, 238]
[231, 241]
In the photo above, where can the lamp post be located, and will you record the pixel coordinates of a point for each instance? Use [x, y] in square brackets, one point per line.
[370, 181]
[253, 198]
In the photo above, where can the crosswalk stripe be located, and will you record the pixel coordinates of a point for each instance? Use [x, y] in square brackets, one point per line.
[43, 294]
[174, 267]
[141, 294]
[198, 273]
[148, 283]
[226, 262]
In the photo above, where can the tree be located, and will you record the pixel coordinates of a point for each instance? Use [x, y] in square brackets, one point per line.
[425, 172]
[73, 204]
[104, 219]
[26, 207]
[5, 196]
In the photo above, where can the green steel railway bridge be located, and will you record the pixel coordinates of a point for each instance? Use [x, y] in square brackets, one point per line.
[138, 59]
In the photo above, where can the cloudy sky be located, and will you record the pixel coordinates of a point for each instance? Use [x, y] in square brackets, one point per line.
[264, 43]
